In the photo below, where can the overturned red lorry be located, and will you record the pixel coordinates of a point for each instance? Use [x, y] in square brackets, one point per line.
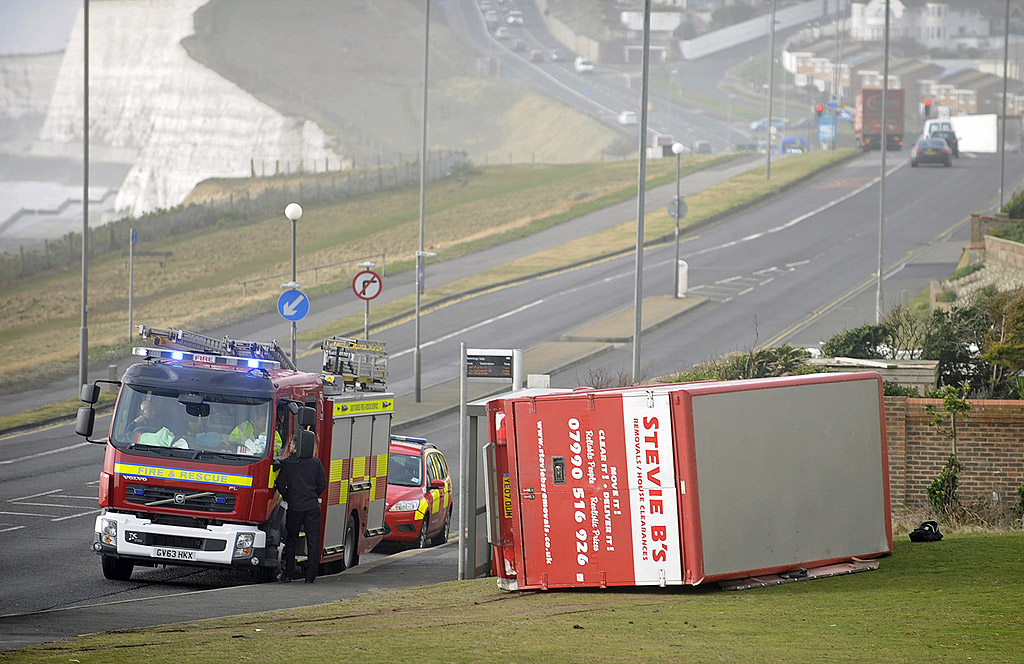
[687, 483]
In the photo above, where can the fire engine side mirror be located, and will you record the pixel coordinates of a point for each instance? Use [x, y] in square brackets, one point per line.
[307, 440]
[84, 423]
[90, 393]
[86, 420]
[307, 417]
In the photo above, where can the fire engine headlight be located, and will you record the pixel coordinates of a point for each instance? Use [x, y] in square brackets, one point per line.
[243, 544]
[405, 506]
[108, 531]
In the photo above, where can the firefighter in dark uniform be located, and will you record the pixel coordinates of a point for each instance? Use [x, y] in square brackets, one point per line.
[301, 482]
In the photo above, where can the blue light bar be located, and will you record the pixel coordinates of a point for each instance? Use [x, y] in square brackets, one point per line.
[206, 358]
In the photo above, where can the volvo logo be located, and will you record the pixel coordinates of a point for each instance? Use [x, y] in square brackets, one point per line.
[179, 499]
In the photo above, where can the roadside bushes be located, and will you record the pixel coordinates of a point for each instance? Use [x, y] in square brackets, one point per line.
[978, 344]
[1014, 208]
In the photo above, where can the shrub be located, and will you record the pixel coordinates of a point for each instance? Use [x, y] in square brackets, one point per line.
[759, 363]
[1015, 206]
[1014, 233]
[942, 490]
[946, 296]
[966, 270]
[891, 389]
[861, 342]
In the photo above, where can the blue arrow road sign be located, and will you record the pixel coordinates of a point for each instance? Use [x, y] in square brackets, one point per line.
[293, 305]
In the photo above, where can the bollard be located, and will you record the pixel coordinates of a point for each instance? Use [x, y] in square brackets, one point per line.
[681, 268]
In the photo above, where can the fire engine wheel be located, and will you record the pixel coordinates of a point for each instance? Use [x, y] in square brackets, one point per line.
[351, 557]
[442, 536]
[117, 569]
[423, 541]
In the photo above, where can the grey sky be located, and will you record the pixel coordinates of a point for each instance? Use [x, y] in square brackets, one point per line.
[36, 26]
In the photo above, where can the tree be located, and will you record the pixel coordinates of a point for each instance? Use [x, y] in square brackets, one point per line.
[1005, 339]
[942, 493]
[955, 338]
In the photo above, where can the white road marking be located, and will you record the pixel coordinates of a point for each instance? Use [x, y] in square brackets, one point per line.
[35, 495]
[7, 530]
[42, 454]
[471, 327]
[75, 516]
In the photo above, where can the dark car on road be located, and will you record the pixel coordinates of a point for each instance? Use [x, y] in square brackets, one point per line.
[950, 138]
[931, 151]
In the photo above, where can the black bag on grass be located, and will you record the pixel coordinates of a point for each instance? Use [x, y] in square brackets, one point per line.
[926, 532]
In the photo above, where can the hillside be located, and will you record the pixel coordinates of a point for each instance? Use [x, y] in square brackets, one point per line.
[356, 69]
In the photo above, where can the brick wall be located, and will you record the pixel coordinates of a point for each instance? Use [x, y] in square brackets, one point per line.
[990, 447]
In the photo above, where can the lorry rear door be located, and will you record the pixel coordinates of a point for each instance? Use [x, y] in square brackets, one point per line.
[596, 491]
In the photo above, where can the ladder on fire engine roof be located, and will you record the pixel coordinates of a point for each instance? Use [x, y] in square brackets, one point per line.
[185, 340]
[355, 364]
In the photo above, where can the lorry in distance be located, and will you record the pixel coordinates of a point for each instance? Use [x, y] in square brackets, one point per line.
[867, 119]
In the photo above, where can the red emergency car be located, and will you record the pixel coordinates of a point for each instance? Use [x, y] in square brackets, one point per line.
[419, 498]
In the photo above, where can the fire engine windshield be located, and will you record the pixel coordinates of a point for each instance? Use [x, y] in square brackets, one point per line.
[191, 425]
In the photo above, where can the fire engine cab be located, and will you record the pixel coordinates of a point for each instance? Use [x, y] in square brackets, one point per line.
[188, 476]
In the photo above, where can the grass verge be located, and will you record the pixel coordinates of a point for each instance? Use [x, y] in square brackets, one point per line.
[955, 600]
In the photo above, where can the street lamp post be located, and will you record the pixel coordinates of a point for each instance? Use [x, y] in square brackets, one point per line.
[293, 211]
[731, 97]
[416, 361]
[677, 149]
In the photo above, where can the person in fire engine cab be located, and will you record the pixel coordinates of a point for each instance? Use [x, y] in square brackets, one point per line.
[301, 482]
[145, 418]
[251, 435]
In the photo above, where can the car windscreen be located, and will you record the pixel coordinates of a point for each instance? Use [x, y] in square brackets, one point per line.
[405, 469]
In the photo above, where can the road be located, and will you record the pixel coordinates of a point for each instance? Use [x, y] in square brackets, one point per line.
[606, 91]
[797, 269]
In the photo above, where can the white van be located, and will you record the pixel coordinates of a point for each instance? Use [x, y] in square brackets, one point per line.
[936, 124]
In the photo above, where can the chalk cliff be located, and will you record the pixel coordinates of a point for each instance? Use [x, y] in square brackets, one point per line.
[186, 123]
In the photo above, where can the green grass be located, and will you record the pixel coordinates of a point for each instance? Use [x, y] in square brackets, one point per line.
[49, 412]
[956, 600]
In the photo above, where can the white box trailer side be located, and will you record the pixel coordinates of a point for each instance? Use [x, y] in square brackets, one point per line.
[784, 473]
[976, 133]
[683, 484]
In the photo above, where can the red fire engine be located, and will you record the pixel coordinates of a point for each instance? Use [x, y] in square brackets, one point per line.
[188, 477]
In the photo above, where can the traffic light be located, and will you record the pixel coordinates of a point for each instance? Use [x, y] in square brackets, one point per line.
[818, 110]
[927, 108]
